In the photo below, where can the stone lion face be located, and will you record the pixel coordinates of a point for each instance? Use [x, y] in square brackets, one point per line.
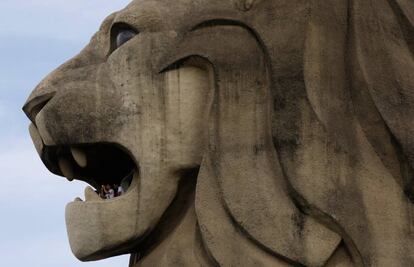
[119, 110]
[286, 108]
[140, 105]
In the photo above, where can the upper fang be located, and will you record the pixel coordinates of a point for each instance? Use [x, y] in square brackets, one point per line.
[79, 156]
[66, 169]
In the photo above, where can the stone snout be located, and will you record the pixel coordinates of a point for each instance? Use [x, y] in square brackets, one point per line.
[99, 228]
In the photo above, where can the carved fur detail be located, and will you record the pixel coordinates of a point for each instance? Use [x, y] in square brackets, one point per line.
[303, 137]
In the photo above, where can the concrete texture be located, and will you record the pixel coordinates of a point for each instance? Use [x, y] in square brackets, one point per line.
[257, 132]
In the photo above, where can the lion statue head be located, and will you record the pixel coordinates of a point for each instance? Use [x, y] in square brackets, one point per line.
[244, 133]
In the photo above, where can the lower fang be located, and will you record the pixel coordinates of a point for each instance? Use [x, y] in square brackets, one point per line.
[91, 195]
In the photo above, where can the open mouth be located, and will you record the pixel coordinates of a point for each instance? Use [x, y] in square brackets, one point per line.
[108, 168]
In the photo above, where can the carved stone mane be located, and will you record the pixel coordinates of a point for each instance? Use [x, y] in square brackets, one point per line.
[255, 133]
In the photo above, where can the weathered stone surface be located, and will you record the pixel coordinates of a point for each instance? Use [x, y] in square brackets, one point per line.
[254, 133]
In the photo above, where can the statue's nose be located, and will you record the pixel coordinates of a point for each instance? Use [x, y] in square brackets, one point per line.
[36, 104]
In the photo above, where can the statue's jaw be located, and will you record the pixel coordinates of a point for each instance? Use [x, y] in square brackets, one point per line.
[99, 228]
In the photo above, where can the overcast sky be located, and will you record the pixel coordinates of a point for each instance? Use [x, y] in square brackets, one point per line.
[36, 36]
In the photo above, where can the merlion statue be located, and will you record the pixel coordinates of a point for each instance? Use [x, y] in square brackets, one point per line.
[244, 133]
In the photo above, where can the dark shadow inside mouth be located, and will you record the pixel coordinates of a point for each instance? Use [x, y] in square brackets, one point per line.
[106, 164]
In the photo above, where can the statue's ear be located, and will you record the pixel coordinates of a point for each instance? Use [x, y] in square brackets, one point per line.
[245, 165]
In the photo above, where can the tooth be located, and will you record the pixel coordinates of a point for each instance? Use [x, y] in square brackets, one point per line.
[78, 199]
[37, 140]
[79, 156]
[91, 195]
[66, 169]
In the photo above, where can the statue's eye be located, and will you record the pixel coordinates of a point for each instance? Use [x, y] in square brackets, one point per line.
[120, 34]
[124, 36]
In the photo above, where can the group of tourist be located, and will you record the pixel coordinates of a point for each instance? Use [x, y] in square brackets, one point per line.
[108, 191]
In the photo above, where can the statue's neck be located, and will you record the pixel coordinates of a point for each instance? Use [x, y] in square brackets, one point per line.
[176, 239]
[177, 247]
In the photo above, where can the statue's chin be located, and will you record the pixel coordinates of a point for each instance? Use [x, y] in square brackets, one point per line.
[99, 229]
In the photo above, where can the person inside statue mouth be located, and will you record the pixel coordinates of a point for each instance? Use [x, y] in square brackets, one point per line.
[108, 191]
[118, 190]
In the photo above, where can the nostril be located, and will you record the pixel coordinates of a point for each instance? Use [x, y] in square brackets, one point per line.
[35, 105]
